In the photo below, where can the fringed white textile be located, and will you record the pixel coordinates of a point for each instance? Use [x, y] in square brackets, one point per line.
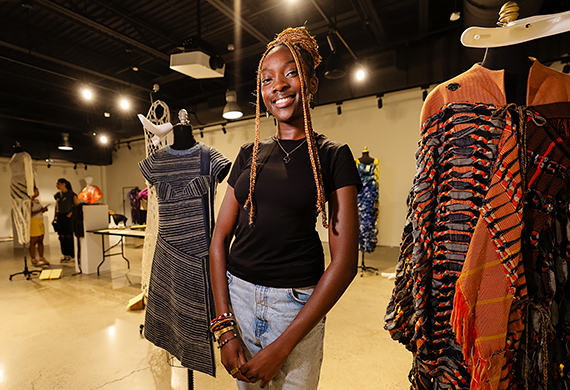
[21, 190]
[159, 113]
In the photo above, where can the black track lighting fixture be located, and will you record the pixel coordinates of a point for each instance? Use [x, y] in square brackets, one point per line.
[224, 129]
[339, 108]
[85, 166]
[75, 166]
[424, 94]
[335, 65]
[129, 145]
[201, 133]
[380, 104]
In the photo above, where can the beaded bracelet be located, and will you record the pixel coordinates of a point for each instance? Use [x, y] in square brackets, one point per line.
[220, 345]
[219, 333]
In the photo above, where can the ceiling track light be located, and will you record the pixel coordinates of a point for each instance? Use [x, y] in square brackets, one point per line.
[75, 166]
[380, 103]
[424, 95]
[201, 133]
[338, 108]
[232, 109]
[224, 129]
[335, 65]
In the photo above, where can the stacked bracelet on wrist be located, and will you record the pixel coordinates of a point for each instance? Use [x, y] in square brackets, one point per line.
[222, 325]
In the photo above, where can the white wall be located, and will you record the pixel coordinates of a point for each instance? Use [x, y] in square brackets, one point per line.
[45, 181]
[390, 133]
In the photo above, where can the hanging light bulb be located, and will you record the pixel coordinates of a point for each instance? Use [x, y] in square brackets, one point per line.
[65, 145]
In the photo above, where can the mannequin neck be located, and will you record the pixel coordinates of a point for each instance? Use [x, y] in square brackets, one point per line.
[183, 138]
[365, 158]
[516, 64]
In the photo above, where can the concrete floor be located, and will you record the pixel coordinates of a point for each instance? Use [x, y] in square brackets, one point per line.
[75, 332]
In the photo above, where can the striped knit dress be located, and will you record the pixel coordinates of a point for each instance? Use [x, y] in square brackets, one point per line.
[479, 295]
[180, 305]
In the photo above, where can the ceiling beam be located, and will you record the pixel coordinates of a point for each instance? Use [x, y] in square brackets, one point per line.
[230, 13]
[374, 22]
[423, 16]
[84, 21]
[66, 64]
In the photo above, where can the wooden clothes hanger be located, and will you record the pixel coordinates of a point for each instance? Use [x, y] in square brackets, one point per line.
[513, 31]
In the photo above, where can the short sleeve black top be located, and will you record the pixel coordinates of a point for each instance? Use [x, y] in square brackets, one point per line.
[283, 248]
[64, 201]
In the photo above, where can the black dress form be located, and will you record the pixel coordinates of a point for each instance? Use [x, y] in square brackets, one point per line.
[365, 158]
[183, 137]
[514, 60]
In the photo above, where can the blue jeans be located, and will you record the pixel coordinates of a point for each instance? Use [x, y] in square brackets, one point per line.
[262, 314]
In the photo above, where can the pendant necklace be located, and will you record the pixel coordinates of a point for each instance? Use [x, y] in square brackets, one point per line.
[286, 159]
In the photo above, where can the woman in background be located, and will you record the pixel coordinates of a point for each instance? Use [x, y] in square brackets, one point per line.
[65, 199]
[37, 230]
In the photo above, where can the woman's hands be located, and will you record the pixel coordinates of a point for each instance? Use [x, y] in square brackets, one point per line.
[265, 365]
[233, 357]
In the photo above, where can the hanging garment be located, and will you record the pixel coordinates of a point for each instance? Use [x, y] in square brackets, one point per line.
[21, 191]
[368, 205]
[466, 165]
[179, 304]
[135, 205]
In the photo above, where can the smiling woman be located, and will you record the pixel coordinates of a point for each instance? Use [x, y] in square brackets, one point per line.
[273, 277]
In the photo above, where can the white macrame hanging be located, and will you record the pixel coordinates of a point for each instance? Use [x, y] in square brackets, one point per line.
[21, 190]
[153, 143]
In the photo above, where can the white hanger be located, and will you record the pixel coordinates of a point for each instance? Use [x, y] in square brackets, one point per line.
[518, 31]
[158, 130]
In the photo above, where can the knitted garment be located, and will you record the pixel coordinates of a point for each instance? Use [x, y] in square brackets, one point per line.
[368, 205]
[459, 153]
[180, 304]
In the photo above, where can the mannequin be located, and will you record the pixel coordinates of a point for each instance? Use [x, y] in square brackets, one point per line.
[461, 283]
[183, 138]
[365, 158]
[179, 303]
[516, 64]
[368, 207]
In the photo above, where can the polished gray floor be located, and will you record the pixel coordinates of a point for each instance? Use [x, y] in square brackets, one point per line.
[75, 332]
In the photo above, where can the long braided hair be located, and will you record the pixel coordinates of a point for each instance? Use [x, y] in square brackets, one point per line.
[304, 49]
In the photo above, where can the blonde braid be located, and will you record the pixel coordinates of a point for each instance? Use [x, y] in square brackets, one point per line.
[295, 39]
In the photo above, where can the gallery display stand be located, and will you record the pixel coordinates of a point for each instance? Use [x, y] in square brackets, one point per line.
[26, 272]
[95, 217]
[363, 268]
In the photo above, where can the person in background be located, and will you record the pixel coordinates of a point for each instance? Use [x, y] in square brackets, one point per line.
[273, 278]
[65, 200]
[37, 230]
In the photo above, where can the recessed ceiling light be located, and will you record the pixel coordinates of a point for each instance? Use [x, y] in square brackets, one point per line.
[124, 104]
[103, 139]
[107, 114]
[360, 74]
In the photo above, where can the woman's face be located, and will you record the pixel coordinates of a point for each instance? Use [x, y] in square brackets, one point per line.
[59, 186]
[281, 86]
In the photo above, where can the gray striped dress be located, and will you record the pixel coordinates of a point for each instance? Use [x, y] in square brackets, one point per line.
[180, 305]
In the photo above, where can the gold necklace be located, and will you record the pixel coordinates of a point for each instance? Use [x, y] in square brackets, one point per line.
[286, 159]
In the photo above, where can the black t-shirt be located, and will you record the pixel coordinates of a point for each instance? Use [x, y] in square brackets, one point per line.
[283, 249]
[64, 201]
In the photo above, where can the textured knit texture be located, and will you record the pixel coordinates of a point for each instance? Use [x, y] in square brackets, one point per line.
[368, 206]
[463, 156]
[179, 306]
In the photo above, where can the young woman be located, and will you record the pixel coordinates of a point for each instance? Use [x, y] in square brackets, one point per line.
[65, 199]
[273, 278]
[37, 230]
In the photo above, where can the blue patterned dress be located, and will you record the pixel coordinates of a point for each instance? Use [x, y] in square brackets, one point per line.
[368, 206]
[180, 305]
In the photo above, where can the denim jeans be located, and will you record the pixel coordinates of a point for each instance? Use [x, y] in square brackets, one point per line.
[262, 314]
